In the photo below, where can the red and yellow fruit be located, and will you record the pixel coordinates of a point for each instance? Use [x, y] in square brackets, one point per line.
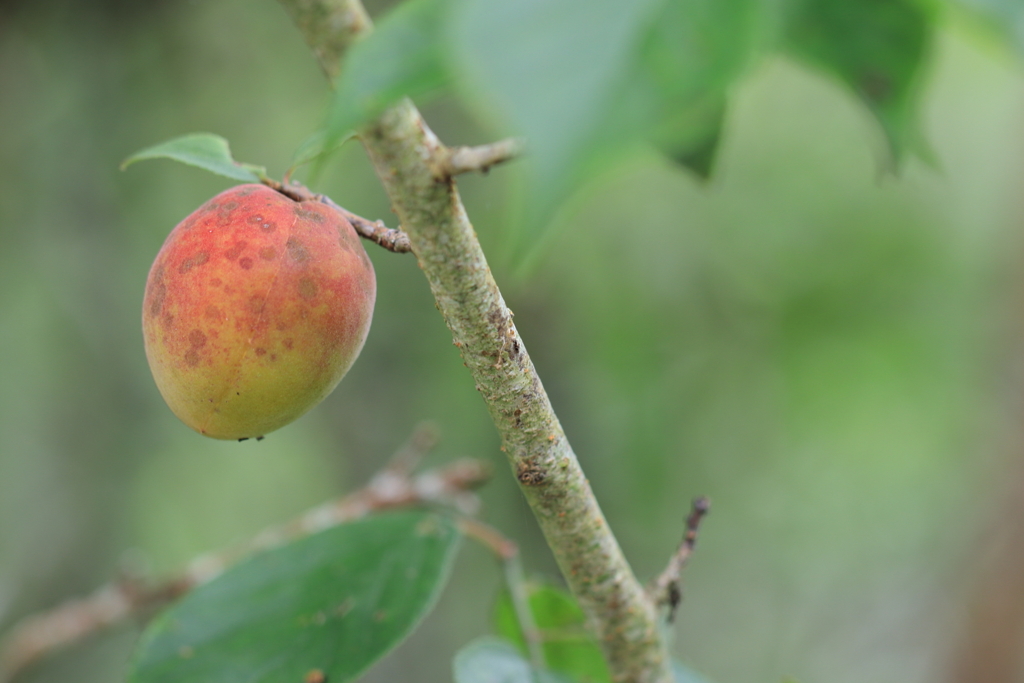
[255, 308]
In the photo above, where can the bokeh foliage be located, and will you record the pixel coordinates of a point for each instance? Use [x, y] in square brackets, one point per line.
[812, 343]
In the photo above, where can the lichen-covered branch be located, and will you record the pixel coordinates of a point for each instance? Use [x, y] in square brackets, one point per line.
[455, 160]
[406, 156]
[331, 25]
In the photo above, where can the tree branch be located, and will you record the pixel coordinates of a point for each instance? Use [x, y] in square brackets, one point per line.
[38, 635]
[549, 474]
[665, 588]
[405, 153]
[333, 24]
[392, 239]
[452, 161]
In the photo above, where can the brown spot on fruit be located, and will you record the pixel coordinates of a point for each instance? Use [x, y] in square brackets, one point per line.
[193, 261]
[224, 217]
[288, 343]
[197, 339]
[212, 312]
[157, 291]
[268, 253]
[235, 251]
[307, 288]
[256, 303]
[296, 250]
[159, 294]
[246, 263]
[255, 218]
[268, 226]
[192, 358]
[308, 214]
[260, 351]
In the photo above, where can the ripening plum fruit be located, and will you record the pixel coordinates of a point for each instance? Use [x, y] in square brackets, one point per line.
[255, 308]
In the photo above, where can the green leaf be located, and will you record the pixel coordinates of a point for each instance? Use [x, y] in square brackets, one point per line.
[568, 647]
[316, 147]
[585, 92]
[878, 49]
[493, 660]
[698, 47]
[699, 155]
[205, 150]
[548, 70]
[402, 57]
[690, 56]
[335, 601]
[692, 134]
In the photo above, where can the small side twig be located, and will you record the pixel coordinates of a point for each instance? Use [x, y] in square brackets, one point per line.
[392, 239]
[420, 443]
[665, 588]
[452, 161]
[37, 635]
[508, 552]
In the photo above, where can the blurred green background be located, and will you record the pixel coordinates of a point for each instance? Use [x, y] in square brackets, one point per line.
[819, 347]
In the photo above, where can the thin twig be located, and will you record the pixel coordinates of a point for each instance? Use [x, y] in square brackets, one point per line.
[508, 552]
[421, 442]
[392, 239]
[455, 160]
[40, 634]
[665, 589]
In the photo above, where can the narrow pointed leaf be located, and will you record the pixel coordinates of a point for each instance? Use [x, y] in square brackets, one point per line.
[315, 147]
[877, 48]
[569, 648]
[205, 150]
[334, 602]
[549, 71]
[587, 81]
[402, 57]
[692, 138]
[691, 55]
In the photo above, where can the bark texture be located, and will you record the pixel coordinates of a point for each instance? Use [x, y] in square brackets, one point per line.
[410, 162]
